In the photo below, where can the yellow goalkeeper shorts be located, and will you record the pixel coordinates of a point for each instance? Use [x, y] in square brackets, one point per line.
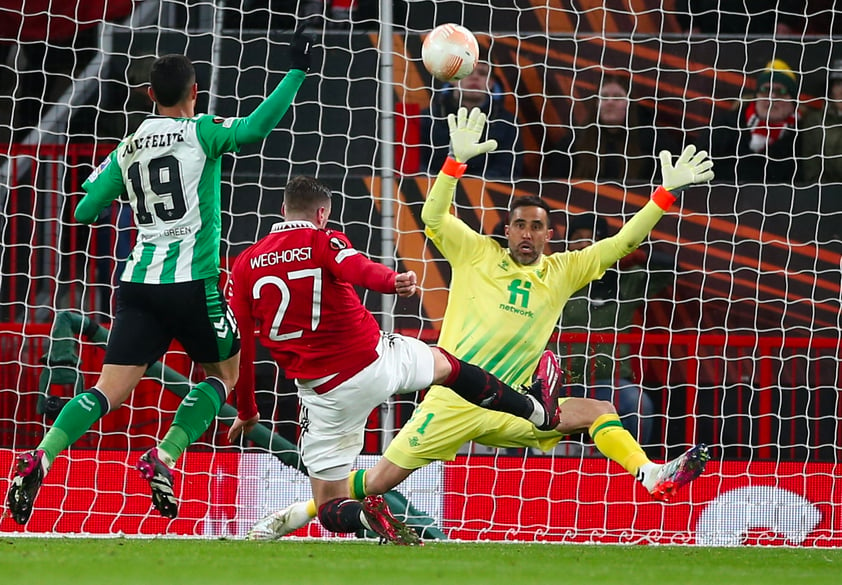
[444, 421]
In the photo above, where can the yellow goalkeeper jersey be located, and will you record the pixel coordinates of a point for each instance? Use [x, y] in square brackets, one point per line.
[500, 314]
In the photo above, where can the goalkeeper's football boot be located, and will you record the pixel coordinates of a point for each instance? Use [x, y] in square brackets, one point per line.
[387, 527]
[679, 472]
[25, 485]
[159, 476]
[279, 523]
[544, 389]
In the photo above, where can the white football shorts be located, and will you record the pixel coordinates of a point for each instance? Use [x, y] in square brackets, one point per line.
[333, 423]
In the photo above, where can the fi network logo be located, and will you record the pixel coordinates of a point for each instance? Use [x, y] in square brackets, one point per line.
[519, 290]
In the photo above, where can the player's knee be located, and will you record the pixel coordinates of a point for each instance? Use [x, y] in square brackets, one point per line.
[442, 366]
[584, 411]
[601, 407]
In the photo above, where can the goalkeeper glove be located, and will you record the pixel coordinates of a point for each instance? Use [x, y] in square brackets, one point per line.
[691, 168]
[465, 132]
[299, 50]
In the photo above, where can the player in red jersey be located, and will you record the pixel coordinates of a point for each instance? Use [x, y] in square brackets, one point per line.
[296, 287]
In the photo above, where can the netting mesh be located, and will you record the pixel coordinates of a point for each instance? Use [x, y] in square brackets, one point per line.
[724, 329]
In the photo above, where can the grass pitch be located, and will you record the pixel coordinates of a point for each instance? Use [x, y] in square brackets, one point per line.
[58, 561]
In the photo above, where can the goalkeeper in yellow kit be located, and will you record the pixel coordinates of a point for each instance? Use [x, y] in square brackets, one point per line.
[502, 309]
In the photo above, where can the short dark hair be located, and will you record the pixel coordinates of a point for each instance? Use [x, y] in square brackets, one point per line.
[171, 78]
[305, 195]
[529, 201]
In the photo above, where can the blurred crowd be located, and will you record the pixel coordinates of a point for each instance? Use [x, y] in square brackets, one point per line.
[771, 135]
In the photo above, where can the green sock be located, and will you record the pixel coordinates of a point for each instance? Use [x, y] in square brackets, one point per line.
[356, 484]
[193, 417]
[73, 421]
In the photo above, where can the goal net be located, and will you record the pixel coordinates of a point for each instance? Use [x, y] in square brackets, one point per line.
[723, 329]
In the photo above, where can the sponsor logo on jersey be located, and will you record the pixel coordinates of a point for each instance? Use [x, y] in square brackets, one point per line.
[518, 298]
[515, 310]
[519, 291]
[176, 232]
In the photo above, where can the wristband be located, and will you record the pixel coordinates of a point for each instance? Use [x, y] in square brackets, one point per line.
[453, 168]
[663, 198]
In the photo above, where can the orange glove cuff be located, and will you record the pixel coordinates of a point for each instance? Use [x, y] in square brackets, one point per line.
[663, 198]
[453, 168]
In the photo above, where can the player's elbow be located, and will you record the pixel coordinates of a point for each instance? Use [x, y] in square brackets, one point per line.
[426, 215]
[614, 248]
[626, 247]
[430, 216]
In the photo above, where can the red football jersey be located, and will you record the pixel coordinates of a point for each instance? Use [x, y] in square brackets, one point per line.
[295, 287]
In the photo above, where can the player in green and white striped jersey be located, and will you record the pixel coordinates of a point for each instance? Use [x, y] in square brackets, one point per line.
[170, 169]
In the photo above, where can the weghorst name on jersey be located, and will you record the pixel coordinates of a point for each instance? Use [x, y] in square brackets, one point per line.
[280, 256]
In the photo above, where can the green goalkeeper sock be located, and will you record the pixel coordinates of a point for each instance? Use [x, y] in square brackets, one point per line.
[356, 484]
[193, 417]
[73, 421]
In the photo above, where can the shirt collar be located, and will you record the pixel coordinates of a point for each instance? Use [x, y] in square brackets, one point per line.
[292, 225]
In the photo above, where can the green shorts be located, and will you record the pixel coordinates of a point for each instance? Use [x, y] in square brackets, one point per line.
[444, 421]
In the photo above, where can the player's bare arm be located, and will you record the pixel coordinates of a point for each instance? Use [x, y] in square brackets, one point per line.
[247, 415]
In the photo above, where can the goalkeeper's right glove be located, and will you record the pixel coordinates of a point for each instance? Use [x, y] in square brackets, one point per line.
[691, 168]
[299, 50]
[465, 132]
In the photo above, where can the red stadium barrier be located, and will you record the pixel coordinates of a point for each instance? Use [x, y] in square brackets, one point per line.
[484, 498]
[593, 500]
[100, 492]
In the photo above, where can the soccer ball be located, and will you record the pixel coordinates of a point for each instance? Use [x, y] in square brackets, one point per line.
[450, 52]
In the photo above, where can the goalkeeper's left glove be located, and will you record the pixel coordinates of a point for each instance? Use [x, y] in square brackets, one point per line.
[691, 168]
[299, 50]
[465, 132]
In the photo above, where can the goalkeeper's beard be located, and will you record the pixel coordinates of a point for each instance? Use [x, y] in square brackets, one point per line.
[524, 253]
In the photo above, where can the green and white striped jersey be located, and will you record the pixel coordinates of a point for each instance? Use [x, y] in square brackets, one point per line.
[170, 169]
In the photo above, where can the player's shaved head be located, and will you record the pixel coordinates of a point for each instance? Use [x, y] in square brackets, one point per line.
[171, 78]
[303, 196]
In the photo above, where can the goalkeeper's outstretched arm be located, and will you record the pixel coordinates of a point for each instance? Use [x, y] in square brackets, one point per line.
[691, 168]
[465, 131]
